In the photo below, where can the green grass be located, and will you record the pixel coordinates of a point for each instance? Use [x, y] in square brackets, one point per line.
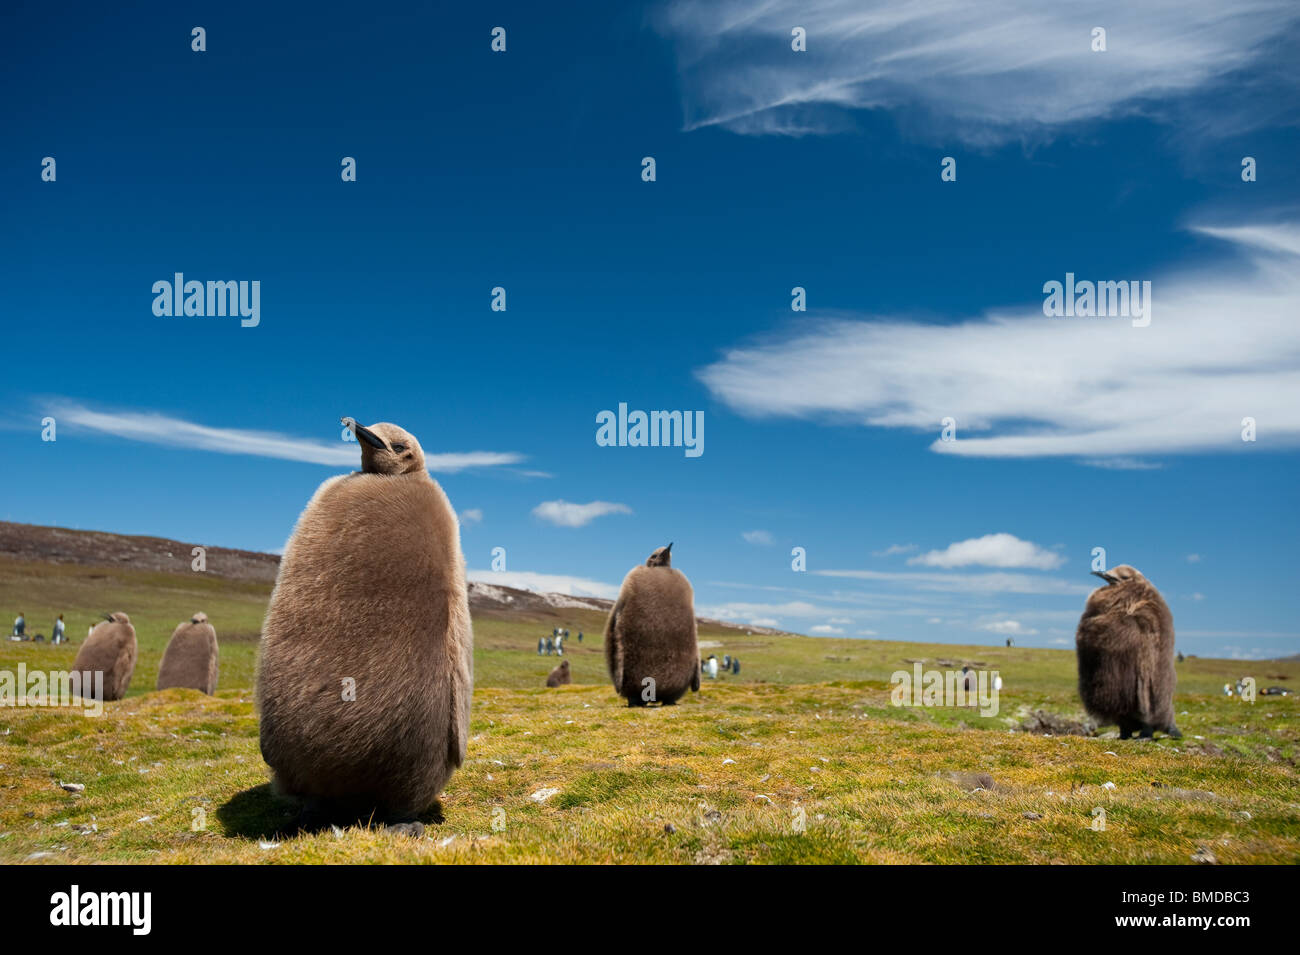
[801, 758]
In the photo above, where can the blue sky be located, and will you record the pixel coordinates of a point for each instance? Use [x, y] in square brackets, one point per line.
[775, 169]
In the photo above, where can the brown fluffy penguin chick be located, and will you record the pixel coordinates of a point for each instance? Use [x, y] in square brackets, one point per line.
[1125, 645]
[650, 634]
[190, 659]
[560, 675]
[111, 649]
[366, 668]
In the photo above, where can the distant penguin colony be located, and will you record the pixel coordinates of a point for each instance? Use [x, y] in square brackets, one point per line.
[1125, 645]
[110, 648]
[560, 675]
[650, 634]
[190, 659]
[366, 668]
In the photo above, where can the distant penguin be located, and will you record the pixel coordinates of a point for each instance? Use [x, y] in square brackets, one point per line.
[997, 683]
[111, 649]
[560, 675]
[735, 664]
[1125, 644]
[580, 636]
[967, 678]
[711, 667]
[726, 662]
[650, 634]
[541, 646]
[550, 646]
[366, 671]
[559, 645]
[190, 659]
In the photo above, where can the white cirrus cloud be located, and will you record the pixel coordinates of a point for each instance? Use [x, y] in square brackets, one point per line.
[152, 427]
[1193, 558]
[763, 538]
[472, 515]
[991, 550]
[568, 514]
[1000, 582]
[1221, 346]
[824, 629]
[984, 73]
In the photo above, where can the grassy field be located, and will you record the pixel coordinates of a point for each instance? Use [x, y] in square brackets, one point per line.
[800, 758]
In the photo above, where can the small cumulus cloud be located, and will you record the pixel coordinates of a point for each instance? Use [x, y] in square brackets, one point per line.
[763, 538]
[823, 629]
[567, 514]
[1008, 628]
[1193, 558]
[991, 550]
[470, 516]
[868, 633]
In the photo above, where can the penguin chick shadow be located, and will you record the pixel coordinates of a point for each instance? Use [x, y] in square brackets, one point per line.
[262, 813]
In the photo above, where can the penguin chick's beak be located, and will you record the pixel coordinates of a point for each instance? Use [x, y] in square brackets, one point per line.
[669, 549]
[1105, 575]
[109, 617]
[363, 433]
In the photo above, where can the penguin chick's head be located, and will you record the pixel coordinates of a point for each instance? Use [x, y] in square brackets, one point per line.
[199, 617]
[1121, 573]
[387, 449]
[661, 557]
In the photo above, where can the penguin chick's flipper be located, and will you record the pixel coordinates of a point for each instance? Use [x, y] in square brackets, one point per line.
[460, 689]
[613, 651]
[695, 679]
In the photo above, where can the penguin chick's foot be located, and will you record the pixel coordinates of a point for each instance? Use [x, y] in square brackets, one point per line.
[413, 829]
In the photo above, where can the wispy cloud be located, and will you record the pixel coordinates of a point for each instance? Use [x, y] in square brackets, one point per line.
[991, 550]
[1220, 347]
[568, 514]
[762, 538]
[545, 583]
[985, 73]
[894, 549]
[470, 516]
[155, 428]
[985, 583]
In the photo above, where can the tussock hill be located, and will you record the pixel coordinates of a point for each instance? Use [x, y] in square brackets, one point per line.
[62, 545]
